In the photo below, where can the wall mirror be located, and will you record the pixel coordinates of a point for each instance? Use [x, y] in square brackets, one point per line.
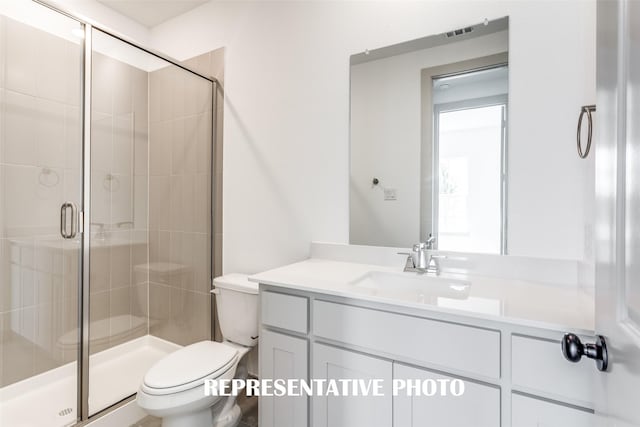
[429, 141]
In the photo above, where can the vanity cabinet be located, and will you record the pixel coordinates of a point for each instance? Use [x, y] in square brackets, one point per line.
[514, 375]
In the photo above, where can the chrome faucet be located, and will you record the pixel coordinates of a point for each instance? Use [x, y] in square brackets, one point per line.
[420, 261]
[421, 255]
[416, 260]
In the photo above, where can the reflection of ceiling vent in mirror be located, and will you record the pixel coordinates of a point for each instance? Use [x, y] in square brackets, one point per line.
[458, 32]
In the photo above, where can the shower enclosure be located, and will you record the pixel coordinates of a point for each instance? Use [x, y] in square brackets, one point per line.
[105, 215]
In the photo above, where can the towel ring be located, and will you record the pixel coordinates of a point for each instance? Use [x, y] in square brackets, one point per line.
[586, 109]
[44, 180]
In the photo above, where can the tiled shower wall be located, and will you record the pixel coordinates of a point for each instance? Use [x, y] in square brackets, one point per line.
[179, 206]
[212, 64]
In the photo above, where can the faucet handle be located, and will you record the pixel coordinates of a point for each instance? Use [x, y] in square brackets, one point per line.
[433, 262]
[410, 263]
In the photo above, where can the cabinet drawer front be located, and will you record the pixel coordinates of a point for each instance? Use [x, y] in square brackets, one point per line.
[284, 311]
[478, 406]
[434, 343]
[531, 412]
[538, 366]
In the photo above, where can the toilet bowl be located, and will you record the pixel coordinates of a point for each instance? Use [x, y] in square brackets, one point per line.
[173, 389]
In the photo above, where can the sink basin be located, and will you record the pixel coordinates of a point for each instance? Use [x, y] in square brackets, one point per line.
[417, 287]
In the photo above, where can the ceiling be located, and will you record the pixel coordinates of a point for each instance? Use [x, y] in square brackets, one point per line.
[152, 12]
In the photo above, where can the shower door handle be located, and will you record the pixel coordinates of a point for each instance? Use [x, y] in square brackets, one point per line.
[68, 226]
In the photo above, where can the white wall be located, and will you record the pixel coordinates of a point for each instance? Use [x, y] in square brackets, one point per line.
[386, 123]
[287, 104]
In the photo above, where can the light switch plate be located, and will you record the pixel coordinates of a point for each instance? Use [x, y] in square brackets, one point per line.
[390, 194]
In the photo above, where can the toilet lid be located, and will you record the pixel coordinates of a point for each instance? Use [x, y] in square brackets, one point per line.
[190, 364]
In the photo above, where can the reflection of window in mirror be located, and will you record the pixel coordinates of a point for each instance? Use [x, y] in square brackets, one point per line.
[464, 154]
[469, 112]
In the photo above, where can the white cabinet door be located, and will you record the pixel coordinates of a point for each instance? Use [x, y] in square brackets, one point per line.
[478, 406]
[331, 363]
[531, 412]
[283, 357]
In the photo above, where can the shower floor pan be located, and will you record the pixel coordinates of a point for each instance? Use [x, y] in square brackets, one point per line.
[49, 399]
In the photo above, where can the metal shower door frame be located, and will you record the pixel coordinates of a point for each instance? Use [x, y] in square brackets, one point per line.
[85, 208]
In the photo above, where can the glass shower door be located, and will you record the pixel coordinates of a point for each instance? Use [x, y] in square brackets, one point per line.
[40, 170]
[150, 218]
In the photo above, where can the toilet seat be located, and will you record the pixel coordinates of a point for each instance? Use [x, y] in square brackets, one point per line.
[188, 367]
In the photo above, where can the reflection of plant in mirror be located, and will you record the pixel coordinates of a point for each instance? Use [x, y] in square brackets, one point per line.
[447, 184]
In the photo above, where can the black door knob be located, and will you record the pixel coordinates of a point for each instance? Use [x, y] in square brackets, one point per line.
[573, 350]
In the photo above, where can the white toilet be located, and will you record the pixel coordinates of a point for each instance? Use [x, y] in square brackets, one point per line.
[173, 389]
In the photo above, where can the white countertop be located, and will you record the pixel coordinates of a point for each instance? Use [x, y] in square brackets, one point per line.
[507, 300]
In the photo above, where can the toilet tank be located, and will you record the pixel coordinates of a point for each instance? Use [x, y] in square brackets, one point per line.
[237, 304]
